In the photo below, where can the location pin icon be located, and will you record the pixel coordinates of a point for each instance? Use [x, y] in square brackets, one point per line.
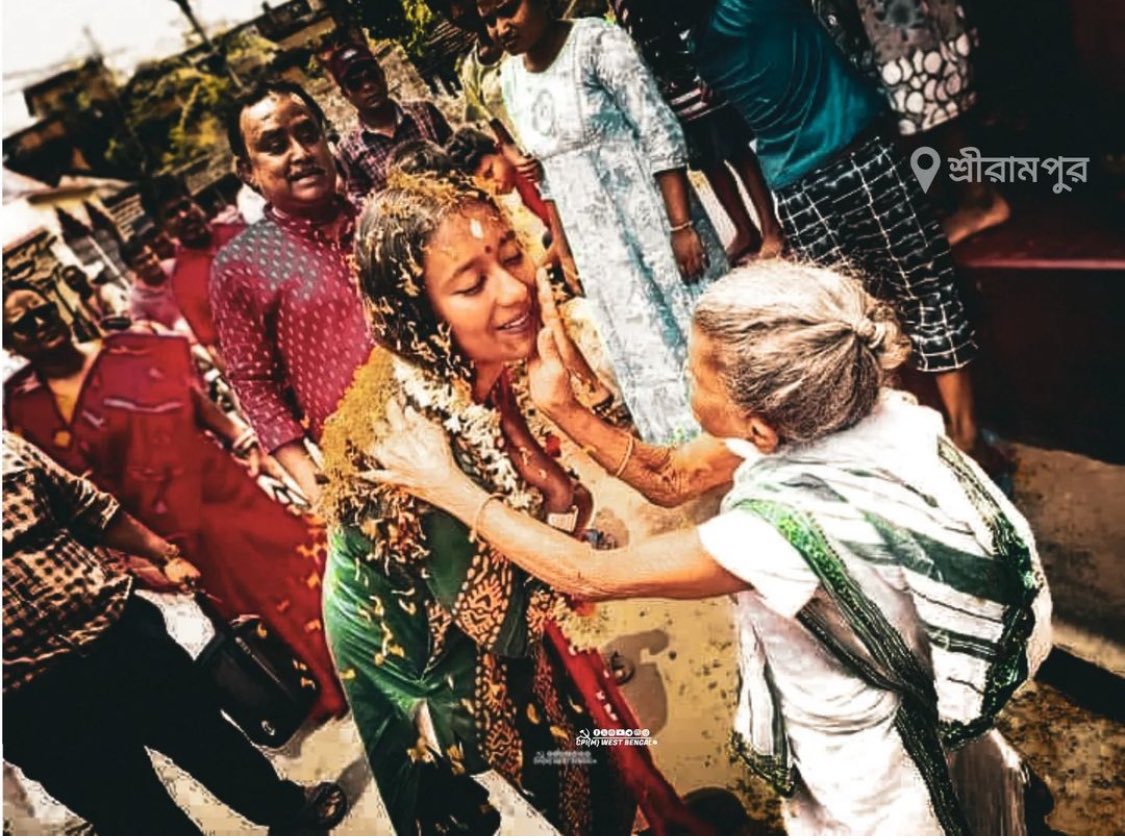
[925, 162]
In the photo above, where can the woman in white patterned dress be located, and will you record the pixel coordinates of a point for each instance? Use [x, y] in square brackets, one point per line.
[585, 105]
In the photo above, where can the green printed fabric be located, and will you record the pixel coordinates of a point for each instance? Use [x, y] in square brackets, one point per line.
[447, 675]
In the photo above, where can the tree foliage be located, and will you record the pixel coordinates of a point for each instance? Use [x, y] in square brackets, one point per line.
[172, 109]
[406, 21]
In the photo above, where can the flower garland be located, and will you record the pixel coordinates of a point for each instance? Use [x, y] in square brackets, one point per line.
[388, 516]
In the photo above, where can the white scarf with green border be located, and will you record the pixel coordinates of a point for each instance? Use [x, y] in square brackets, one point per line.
[847, 504]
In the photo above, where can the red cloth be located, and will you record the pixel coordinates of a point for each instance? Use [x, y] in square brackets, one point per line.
[134, 432]
[290, 323]
[190, 278]
[529, 195]
[665, 811]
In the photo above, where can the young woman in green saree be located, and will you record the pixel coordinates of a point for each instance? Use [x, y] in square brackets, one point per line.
[447, 650]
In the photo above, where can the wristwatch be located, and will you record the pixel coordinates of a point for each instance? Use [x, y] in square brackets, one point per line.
[564, 521]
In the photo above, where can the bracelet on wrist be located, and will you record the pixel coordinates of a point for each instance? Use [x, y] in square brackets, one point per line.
[625, 458]
[475, 527]
[688, 225]
[244, 442]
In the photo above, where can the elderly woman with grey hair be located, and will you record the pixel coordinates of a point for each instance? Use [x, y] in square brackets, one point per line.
[888, 598]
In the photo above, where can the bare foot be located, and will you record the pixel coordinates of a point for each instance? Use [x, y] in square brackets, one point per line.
[969, 221]
[773, 243]
[742, 246]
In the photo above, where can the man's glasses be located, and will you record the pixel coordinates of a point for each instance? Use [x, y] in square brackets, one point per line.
[354, 81]
[28, 323]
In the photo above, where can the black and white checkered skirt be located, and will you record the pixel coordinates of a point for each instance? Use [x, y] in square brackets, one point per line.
[865, 213]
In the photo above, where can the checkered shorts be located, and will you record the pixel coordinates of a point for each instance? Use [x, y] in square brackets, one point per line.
[866, 214]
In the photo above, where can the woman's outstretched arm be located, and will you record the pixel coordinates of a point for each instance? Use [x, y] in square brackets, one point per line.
[665, 475]
[415, 455]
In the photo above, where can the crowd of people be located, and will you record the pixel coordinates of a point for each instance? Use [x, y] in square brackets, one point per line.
[418, 315]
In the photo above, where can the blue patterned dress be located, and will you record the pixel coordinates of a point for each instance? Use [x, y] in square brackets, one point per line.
[596, 121]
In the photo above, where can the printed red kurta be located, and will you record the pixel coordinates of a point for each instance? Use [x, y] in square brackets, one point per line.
[290, 323]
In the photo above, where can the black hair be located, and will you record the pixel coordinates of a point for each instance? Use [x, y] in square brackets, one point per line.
[263, 90]
[133, 246]
[390, 246]
[467, 147]
[158, 191]
[419, 157]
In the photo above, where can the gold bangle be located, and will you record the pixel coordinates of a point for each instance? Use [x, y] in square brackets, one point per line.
[625, 459]
[477, 516]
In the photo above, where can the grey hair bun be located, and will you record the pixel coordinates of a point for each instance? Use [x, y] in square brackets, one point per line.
[880, 331]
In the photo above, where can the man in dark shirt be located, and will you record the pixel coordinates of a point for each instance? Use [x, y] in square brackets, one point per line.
[382, 125]
[92, 678]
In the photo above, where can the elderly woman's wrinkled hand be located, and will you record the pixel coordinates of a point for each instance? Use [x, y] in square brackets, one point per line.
[414, 454]
[548, 374]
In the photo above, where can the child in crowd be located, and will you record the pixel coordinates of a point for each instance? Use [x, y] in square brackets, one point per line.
[474, 153]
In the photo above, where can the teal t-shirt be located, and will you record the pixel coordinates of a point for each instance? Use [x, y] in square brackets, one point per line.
[776, 64]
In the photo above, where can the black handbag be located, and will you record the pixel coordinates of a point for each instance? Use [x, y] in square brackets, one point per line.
[260, 683]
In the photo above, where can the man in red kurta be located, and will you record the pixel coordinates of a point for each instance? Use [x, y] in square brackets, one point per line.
[170, 203]
[288, 316]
